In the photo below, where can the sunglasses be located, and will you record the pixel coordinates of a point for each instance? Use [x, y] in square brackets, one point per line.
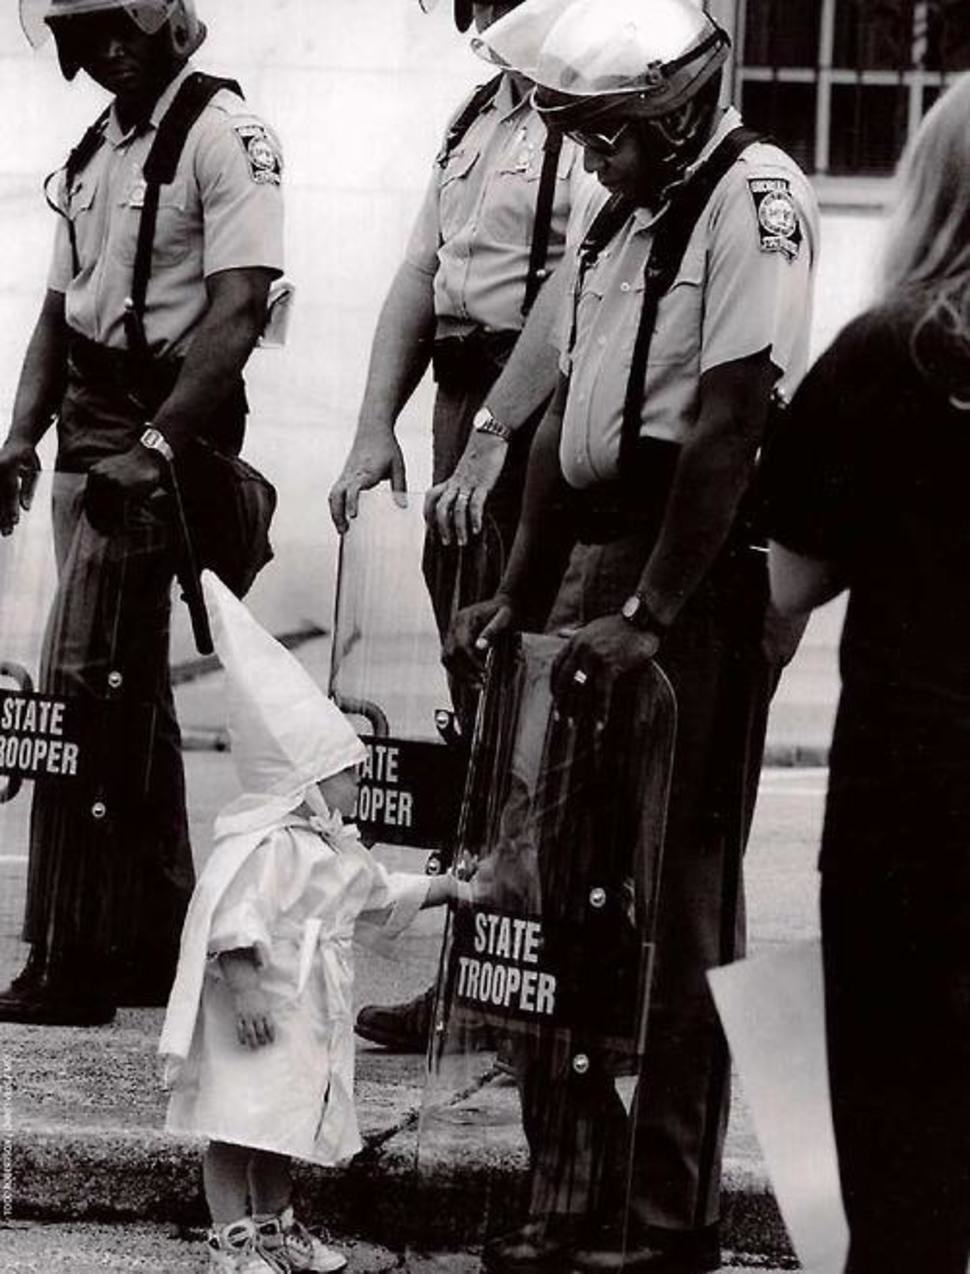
[603, 143]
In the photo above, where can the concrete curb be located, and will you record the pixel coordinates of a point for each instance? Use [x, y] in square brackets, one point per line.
[112, 1174]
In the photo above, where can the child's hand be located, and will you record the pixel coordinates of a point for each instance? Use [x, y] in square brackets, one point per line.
[254, 1020]
[484, 881]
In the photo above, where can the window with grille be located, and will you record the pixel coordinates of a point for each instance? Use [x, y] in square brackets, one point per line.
[842, 84]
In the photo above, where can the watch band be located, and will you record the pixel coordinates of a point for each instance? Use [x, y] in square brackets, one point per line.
[485, 423]
[155, 440]
[637, 613]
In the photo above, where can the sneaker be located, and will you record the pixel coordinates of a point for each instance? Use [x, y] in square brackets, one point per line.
[284, 1238]
[232, 1250]
[401, 1028]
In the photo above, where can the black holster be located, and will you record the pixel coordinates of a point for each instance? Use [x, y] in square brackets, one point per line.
[475, 359]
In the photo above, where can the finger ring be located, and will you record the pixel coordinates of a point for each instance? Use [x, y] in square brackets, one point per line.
[579, 677]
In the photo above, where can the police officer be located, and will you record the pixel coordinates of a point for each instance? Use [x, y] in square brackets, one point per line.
[491, 229]
[669, 360]
[132, 388]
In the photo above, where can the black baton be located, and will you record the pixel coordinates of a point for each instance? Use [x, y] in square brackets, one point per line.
[187, 573]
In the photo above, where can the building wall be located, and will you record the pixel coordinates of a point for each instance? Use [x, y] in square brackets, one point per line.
[359, 91]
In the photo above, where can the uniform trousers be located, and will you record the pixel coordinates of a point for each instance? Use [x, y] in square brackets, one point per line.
[110, 868]
[455, 576]
[664, 1163]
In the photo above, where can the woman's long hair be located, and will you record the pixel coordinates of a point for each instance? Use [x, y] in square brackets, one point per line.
[926, 260]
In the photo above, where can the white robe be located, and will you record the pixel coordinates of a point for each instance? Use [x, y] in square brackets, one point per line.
[278, 883]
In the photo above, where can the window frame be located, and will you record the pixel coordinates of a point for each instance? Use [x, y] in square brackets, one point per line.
[848, 190]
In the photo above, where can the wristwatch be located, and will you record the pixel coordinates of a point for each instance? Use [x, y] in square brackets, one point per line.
[485, 423]
[154, 440]
[636, 611]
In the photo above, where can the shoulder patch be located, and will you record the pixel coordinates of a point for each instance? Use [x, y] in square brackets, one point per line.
[779, 228]
[265, 160]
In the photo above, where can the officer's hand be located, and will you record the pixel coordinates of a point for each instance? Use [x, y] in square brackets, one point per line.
[372, 458]
[19, 471]
[116, 481]
[586, 669]
[472, 631]
[455, 508]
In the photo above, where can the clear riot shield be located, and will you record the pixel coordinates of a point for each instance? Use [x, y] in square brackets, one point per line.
[546, 964]
[395, 596]
[94, 847]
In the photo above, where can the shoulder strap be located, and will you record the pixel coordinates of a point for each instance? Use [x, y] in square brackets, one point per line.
[191, 100]
[467, 116]
[87, 147]
[77, 161]
[670, 243]
[542, 223]
[614, 213]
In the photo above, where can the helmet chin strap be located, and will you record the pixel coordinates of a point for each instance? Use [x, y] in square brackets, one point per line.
[674, 141]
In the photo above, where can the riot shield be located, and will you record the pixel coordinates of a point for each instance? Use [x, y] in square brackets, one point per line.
[394, 599]
[546, 963]
[95, 852]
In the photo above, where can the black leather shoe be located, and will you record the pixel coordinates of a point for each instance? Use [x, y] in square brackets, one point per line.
[31, 975]
[401, 1028]
[651, 1251]
[41, 1005]
[538, 1247]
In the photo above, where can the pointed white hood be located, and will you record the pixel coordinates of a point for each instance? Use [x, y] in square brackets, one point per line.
[285, 733]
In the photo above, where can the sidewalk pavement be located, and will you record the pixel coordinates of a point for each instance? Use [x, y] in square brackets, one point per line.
[87, 1145]
[86, 1110]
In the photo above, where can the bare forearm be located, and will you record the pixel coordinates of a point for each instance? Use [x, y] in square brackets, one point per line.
[799, 583]
[240, 969]
[545, 532]
[707, 489]
[530, 376]
[714, 470]
[43, 375]
[441, 889]
[220, 348]
[401, 348]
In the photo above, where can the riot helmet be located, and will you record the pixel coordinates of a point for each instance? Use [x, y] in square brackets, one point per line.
[175, 19]
[654, 66]
[464, 11]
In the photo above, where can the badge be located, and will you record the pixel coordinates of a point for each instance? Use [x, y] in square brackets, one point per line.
[778, 225]
[265, 161]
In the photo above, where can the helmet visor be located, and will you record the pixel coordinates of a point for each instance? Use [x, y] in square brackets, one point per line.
[36, 15]
[514, 41]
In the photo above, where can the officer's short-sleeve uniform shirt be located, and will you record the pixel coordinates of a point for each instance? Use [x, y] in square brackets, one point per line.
[473, 233]
[744, 286]
[223, 211]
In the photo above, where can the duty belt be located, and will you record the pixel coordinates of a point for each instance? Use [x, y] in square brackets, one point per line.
[146, 382]
[633, 504]
[473, 359]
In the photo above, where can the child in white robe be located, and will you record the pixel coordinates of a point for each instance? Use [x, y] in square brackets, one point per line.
[258, 1038]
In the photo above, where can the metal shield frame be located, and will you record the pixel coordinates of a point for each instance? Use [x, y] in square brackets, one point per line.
[547, 964]
[76, 733]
